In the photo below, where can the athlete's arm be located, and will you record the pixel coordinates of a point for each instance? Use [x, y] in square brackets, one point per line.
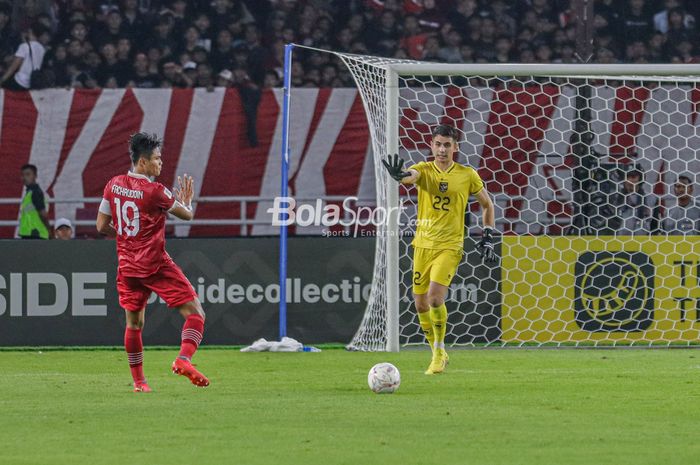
[104, 225]
[487, 210]
[394, 165]
[182, 208]
[412, 178]
[485, 246]
[12, 69]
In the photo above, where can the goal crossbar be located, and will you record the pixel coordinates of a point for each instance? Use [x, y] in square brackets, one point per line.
[537, 69]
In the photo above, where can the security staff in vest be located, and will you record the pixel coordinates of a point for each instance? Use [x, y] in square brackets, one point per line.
[33, 220]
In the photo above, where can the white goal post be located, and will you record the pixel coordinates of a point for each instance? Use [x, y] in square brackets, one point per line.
[555, 144]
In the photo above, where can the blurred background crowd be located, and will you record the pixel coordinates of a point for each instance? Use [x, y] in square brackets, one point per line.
[207, 43]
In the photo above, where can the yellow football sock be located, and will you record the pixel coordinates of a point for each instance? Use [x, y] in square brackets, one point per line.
[439, 317]
[427, 324]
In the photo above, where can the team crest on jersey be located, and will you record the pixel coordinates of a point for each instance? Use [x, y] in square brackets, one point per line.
[443, 186]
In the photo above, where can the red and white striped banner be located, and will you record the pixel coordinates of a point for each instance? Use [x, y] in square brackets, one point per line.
[518, 138]
[78, 140]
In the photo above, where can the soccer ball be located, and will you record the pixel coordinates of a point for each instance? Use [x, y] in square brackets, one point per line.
[384, 378]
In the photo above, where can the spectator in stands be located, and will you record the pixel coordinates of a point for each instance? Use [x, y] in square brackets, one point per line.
[189, 70]
[34, 219]
[500, 13]
[56, 61]
[451, 53]
[432, 17]
[8, 38]
[657, 48]
[486, 45]
[272, 79]
[636, 52]
[383, 35]
[243, 36]
[203, 25]
[431, 51]
[224, 78]
[63, 229]
[163, 35]
[112, 32]
[462, 12]
[141, 76]
[637, 21]
[221, 54]
[683, 216]
[683, 52]
[412, 37]
[609, 14]
[329, 76]
[677, 28]
[631, 212]
[205, 77]
[134, 23]
[173, 74]
[28, 58]
[662, 18]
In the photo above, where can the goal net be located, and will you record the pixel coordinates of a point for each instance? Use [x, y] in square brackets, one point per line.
[592, 169]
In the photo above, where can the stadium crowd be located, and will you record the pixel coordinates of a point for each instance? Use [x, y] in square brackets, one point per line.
[206, 43]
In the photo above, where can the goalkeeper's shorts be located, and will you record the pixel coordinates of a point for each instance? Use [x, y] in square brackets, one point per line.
[438, 265]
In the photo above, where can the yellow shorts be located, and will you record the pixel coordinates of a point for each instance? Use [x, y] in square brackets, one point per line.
[437, 265]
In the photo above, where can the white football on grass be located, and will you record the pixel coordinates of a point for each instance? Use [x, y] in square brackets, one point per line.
[384, 378]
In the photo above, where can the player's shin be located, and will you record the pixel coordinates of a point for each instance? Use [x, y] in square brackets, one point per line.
[439, 318]
[134, 351]
[192, 332]
[426, 324]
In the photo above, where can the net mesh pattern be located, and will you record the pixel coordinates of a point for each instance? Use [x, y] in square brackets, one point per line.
[592, 179]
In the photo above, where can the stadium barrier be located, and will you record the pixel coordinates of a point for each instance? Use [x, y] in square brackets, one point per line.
[63, 292]
[640, 290]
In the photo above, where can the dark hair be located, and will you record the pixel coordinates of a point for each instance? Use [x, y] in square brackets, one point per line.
[685, 178]
[37, 29]
[142, 145]
[29, 166]
[446, 130]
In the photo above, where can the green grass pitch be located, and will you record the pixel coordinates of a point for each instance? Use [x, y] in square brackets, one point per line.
[490, 407]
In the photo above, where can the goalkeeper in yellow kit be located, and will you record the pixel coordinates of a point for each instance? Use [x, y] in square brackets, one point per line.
[444, 188]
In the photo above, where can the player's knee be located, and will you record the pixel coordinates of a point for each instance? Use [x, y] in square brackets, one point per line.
[192, 308]
[422, 306]
[435, 300]
[421, 301]
[135, 324]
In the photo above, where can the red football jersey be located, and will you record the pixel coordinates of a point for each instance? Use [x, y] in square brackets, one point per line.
[139, 208]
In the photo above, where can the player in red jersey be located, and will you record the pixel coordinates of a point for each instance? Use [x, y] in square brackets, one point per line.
[134, 209]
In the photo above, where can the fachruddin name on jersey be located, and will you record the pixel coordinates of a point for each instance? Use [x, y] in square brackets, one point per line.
[124, 192]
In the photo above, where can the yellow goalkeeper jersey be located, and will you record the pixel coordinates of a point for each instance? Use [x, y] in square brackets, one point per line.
[442, 203]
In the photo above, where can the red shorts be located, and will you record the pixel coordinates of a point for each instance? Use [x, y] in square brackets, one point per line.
[169, 282]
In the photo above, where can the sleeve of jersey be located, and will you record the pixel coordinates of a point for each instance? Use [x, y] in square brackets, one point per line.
[476, 183]
[105, 206]
[163, 198]
[420, 167]
[38, 199]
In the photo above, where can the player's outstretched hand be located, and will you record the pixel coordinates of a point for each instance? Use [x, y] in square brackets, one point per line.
[185, 190]
[394, 165]
[485, 246]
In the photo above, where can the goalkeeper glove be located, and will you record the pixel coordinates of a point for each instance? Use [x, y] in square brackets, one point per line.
[485, 247]
[395, 167]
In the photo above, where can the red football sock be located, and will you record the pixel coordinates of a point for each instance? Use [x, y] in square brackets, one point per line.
[134, 351]
[191, 336]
